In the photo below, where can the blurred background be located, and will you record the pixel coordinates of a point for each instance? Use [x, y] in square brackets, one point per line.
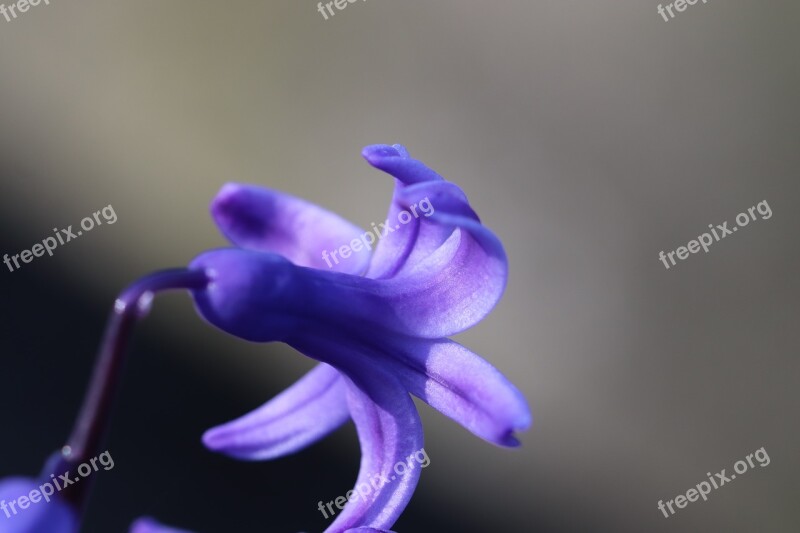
[589, 135]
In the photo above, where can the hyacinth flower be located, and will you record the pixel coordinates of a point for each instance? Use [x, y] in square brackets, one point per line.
[378, 324]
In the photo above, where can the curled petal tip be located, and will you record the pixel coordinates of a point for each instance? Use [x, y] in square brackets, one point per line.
[402, 149]
[394, 160]
[377, 152]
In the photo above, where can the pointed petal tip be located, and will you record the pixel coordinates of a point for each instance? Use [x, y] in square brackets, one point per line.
[298, 417]
[509, 440]
[523, 423]
[214, 439]
[508, 437]
[223, 441]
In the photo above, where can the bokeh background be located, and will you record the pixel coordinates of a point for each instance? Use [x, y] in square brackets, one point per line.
[589, 135]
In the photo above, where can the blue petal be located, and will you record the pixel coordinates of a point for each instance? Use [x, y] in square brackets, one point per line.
[302, 414]
[394, 247]
[442, 199]
[421, 192]
[439, 276]
[253, 295]
[446, 375]
[257, 218]
[390, 433]
[465, 387]
[454, 288]
[262, 297]
[444, 246]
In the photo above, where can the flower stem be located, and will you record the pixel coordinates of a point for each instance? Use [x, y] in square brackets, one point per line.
[92, 423]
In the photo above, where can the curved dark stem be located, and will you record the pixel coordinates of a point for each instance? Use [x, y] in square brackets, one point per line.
[92, 423]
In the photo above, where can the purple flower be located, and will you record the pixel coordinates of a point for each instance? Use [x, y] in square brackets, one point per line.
[149, 525]
[377, 324]
[53, 516]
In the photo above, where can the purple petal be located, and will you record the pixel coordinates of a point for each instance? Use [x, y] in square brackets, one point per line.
[54, 516]
[258, 218]
[368, 530]
[262, 297]
[463, 386]
[455, 287]
[443, 247]
[253, 295]
[149, 525]
[394, 247]
[446, 375]
[441, 198]
[420, 192]
[302, 414]
[390, 433]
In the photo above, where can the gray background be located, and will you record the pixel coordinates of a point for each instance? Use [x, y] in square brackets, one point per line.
[589, 135]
